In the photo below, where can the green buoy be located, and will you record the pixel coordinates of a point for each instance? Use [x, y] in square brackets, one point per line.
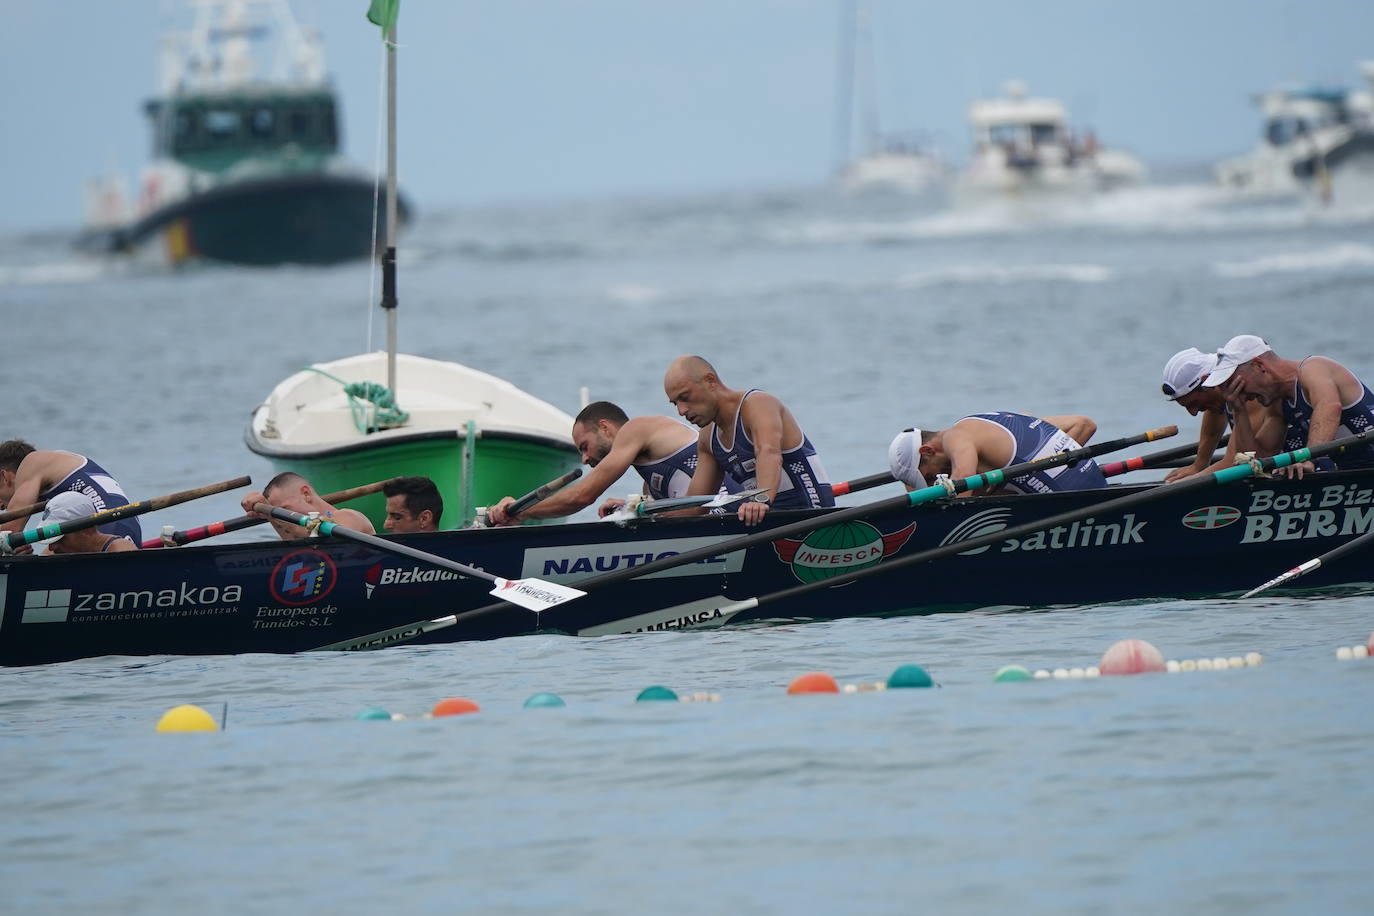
[910, 676]
[656, 692]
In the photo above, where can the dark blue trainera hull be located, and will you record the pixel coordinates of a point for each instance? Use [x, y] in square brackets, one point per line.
[292, 596]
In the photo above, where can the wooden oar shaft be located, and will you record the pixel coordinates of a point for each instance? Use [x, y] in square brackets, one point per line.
[862, 483]
[23, 511]
[1155, 459]
[214, 529]
[399, 634]
[336, 530]
[45, 532]
[543, 492]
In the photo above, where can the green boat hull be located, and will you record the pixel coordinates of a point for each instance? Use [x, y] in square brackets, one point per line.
[469, 472]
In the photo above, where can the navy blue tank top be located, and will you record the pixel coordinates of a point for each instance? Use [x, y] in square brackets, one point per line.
[91, 480]
[1033, 439]
[670, 477]
[1356, 417]
[803, 483]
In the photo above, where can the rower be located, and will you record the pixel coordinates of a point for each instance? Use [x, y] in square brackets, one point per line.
[1320, 399]
[28, 475]
[413, 504]
[70, 505]
[291, 491]
[1186, 383]
[992, 441]
[749, 435]
[661, 450]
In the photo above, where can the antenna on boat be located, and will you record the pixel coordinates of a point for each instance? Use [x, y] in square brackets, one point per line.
[383, 13]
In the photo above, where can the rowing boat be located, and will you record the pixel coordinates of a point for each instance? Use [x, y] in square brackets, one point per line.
[291, 596]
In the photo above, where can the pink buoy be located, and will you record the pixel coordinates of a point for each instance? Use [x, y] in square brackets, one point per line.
[1371, 645]
[1131, 656]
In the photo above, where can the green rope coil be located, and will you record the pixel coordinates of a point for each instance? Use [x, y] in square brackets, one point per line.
[372, 404]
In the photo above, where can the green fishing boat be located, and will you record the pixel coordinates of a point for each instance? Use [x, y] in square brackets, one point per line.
[385, 414]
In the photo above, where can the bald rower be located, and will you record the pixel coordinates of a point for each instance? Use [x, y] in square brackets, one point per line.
[749, 435]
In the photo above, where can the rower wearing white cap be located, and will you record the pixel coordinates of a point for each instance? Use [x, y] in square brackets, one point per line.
[70, 505]
[991, 441]
[1320, 399]
[1184, 376]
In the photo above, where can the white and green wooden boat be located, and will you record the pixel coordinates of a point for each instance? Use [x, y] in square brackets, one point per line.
[477, 436]
[365, 418]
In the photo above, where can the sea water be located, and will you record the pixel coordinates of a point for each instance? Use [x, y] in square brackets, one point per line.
[1236, 791]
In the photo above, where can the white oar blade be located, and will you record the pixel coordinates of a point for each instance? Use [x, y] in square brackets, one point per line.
[534, 594]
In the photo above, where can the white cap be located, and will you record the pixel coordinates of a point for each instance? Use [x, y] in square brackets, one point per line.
[904, 458]
[67, 506]
[1239, 349]
[1186, 370]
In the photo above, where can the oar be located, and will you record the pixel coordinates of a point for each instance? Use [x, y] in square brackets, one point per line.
[12, 539]
[1349, 546]
[534, 594]
[1110, 507]
[650, 507]
[539, 494]
[803, 527]
[862, 483]
[1155, 460]
[23, 511]
[215, 529]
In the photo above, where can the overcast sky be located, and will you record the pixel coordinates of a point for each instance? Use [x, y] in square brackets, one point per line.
[533, 99]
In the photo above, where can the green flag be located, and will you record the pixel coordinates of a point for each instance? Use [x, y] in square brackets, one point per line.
[384, 13]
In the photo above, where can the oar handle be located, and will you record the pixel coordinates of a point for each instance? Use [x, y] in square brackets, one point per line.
[541, 493]
[215, 529]
[34, 535]
[333, 529]
[862, 483]
[23, 511]
[1156, 459]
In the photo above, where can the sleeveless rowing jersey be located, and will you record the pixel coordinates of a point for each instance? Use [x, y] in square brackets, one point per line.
[90, 479]
[1356, 417]
[803, 483]
[1032, 439]
[670, 477]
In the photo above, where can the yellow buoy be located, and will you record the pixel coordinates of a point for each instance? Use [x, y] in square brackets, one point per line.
[187, 718]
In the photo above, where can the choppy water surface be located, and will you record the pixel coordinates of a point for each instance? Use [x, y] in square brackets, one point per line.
[1238, 791]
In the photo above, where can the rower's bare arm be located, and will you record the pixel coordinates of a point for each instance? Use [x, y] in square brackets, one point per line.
[1323, 393]
[708, 475]
[1079, 428]
[28, 483]
[962, 447]
[763, 423]
[1209, 434]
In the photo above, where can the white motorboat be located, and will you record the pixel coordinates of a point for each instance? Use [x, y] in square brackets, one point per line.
[1024, 146]
[889, 162]
[1314, 138]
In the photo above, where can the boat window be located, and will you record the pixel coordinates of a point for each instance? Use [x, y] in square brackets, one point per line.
[299, 121]
[262, 123]
[221, 124]
[1042, 134]
[1004, 134]
[1284, 130]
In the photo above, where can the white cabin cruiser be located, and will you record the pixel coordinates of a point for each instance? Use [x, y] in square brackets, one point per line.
[1024, 146]
[1313, 138]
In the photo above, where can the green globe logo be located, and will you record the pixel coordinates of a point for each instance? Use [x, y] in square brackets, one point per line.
[837, 549]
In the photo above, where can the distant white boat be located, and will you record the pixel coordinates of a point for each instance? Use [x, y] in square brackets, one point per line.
[1313, 138]
[1024, 146]
[889, 163]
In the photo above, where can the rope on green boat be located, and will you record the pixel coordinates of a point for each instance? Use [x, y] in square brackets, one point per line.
[372, 404]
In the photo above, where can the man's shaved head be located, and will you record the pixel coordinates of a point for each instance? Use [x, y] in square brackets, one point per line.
[691, 368]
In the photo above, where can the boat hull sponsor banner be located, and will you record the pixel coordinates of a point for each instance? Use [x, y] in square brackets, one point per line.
[705, 612]
[578, 561]
[841, 548]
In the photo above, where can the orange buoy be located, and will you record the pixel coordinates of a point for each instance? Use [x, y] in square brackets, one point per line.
[814, 682]
[1131, 656]
[454, 706]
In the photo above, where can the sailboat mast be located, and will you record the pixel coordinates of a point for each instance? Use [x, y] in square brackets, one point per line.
[844, 85]
[389, 255]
